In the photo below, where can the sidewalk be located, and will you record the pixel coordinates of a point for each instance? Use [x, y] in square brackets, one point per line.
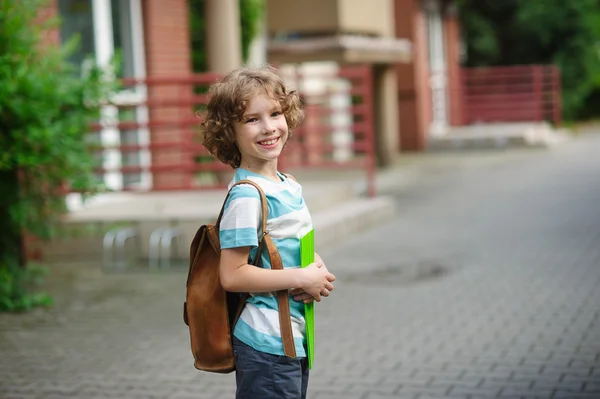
[483, 285]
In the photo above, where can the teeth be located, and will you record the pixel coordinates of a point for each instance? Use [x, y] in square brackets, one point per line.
[268, 142]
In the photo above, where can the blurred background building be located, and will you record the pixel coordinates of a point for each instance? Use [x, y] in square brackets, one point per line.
[377, 77]
[411, 45]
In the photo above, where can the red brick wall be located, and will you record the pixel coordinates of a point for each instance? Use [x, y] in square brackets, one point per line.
[50, 10]
[413, 89]
[167, 42]
[167, 37]
[32, 246]
[167, 51]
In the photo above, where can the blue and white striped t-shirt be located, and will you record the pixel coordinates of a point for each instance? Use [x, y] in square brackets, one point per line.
[288, 221]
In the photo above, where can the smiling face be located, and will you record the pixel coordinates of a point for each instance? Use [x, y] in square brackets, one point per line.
[261, 133]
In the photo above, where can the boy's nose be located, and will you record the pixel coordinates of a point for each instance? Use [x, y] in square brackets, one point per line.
[268, 128]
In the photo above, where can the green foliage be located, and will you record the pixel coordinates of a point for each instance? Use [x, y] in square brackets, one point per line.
[15, 284]
[566, 34]
[45, 112]
[251, 11]
[198, 35]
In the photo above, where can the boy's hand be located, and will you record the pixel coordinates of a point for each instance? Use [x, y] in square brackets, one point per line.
[318, 283]
[301, 296]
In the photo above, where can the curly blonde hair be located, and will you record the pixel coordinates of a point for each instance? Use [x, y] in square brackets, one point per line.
[228, 101]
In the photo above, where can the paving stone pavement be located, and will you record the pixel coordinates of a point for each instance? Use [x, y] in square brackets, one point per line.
[485, 285]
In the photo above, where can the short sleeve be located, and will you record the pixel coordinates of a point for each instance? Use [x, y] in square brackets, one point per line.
[241, 218]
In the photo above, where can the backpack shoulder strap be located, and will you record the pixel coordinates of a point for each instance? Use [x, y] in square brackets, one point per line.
[285, 318]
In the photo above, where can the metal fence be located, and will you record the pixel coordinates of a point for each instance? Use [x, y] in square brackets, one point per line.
[511, 94]
[148, 140]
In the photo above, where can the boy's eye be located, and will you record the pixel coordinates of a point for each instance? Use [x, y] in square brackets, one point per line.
[276, 113]
[250, 120]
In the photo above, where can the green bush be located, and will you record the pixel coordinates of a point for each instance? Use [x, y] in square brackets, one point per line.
[15, 285]
[45, 112]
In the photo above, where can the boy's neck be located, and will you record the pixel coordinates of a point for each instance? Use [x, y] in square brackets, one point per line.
[266, 169]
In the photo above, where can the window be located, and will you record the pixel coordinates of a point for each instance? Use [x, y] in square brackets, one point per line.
[77, 20]
[108, 28]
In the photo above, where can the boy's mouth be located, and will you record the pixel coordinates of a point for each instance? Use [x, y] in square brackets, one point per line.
[269, 143]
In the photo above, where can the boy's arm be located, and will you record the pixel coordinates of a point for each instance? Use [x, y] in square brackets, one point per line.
[238, 276]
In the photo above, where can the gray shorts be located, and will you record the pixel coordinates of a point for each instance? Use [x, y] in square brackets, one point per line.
[261, 375]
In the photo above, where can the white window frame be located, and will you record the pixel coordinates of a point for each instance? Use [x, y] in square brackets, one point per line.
[437, 64]
[110, 135]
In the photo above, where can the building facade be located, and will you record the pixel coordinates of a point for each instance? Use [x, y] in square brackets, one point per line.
[429, 87]
[152, 40]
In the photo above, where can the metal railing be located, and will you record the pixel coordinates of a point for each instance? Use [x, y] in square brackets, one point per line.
[511, 94]
[160, 247]
[150, 141]
[113, 246]
[161, 241]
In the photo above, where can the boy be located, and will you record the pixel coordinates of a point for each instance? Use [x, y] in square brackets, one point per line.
[248, 122]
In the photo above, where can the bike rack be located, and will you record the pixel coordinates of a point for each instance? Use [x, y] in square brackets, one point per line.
[166, 243]
[154, 249]
[161, 241]
[113, 246]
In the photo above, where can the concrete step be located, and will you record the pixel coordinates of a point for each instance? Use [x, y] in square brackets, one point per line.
[187, 205]
[337, 213]
[352, 217]
[498, 136]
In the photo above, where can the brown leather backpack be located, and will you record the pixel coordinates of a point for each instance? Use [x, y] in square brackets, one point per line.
[210, 311]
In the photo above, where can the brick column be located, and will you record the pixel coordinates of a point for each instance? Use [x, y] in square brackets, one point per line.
[49, 10]
[452, 34]
[167, 42]
[414, 97]
[32, 247]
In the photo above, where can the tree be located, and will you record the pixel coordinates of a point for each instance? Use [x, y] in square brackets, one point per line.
[45, 113]
[566, 34]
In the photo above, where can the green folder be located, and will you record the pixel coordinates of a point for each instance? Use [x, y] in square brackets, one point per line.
[307, 256]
